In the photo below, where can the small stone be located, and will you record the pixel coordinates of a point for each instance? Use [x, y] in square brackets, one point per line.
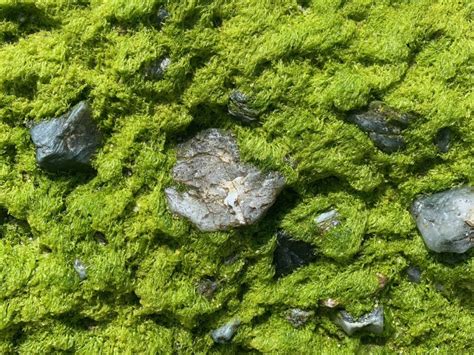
[444, 219]
[383, 124]
[100, 238]
[222, 192]
[443, 139]
[240, 109]
[372, 322]
[298, 317]
[207, 288]
[161, 16]
[290, 254]
[414, 274]
[225, 333]
[81, 269]
[328, 220]
[67, 143]
[156, 69]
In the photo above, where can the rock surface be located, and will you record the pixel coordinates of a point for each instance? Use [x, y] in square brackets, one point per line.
[383, 125]
[371, 322]
[298, 317]
[239, 107]
[443, 139]
[414, 274]
[290, 254]
[225, 333]
[68, 142]
[156, 69]
[80, 268]
[222, 192]
[328, 220]
[446, 220]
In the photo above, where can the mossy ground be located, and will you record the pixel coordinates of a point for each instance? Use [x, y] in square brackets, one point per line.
[305, 64]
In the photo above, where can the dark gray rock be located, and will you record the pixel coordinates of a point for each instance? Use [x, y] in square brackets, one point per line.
[446, 220]
[239, 107]
[207, 288]
[161, 16]
[443, 139]
[298, 317]
[290, 254]
[414, 274]
[225, 333]
[328, 220]
[156, 69]
[68, 142]
[383, 124]
[372, 322]
[81, 269]
[222, 191]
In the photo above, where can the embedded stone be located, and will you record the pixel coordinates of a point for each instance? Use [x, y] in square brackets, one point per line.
[443, 139]
[239, 107]
[414, 274]
[161, 16]
[446, 220]
[222, 192]
[372, 322]
[291, 254]
[68, 142]
[328, 220]
[156, 69]
[383, 125]
[81, 269]
[207, 288]
[225, 333]
[298, 317]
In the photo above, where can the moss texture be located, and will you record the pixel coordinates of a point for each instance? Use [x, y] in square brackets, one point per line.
[304, 64]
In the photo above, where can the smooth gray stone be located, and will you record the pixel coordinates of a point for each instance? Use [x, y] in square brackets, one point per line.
[225, 333]
[298, 317]
[443, 139]
[222, 192]
[81, 269]
[239, 107]
[446, 220]
[383, 124]
[371, 322]
[414, 274]
[67, 143]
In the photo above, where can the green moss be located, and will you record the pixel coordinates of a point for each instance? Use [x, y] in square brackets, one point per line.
[304, 64]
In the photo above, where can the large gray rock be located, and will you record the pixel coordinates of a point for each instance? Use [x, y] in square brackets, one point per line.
[446, 220]
[383, 124]
[222, 192]
[67, 142]
[371, 322]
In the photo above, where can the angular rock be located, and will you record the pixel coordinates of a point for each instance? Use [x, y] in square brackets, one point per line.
[298, 317]
[371, 322]
[290, 254]
[222, 191]
[414, 274]
[443, 139]
[239, 107]
[446, 220]
[383, 124]
[328, 220]
[81, 269]
[67, 143]
[225, 333]
[207, 287]
[156, 69]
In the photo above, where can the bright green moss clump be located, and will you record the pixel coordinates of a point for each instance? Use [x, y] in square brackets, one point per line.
[304, 64]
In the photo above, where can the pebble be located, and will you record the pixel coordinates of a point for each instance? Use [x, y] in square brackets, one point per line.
[446, 220]
[207, 288]
[161, 16]
[222, 192]
[240, 109]
[225, 333]
[67, 143]
[414, 274]
[81, 269]
[372, 322]
[443, 139]
[383, 124]
[298, 317]
[290, 254]
[156, 69]
[328, 220]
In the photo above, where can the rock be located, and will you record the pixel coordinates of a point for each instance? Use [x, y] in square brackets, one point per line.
[446, 220]
[240, 109]
[328, 220]
[290, 254]
[222, 192]
[67, 143]
[161, 16]
[225, 333]
[414, 274]
[81, 269]
[443, 139]
[207, 287]
[298, 317]
[330, 303]
[383, 124]
[372, 322]
[156, 69]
